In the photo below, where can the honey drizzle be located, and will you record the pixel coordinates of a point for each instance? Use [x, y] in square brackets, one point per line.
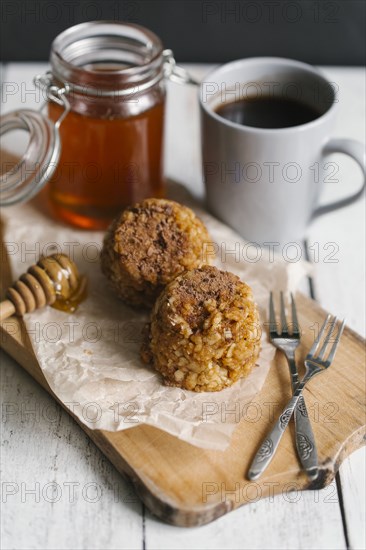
[70, 288]
[71, 303]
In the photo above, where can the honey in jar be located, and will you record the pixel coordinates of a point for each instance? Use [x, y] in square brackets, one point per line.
[112, 137]
[106, 165]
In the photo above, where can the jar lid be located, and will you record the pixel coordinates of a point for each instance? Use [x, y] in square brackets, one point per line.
[39, 161]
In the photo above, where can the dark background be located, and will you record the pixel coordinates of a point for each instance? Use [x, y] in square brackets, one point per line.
[315, 31]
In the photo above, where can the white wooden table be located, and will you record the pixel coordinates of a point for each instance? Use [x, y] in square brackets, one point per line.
[60, 492]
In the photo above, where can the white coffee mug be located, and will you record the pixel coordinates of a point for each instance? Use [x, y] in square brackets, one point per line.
[266, 183]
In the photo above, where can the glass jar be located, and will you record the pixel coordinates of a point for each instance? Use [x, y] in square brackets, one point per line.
[112, 139]
[101, 146]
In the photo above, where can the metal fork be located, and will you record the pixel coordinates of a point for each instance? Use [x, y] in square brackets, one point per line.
[288, 342]
[314, 365]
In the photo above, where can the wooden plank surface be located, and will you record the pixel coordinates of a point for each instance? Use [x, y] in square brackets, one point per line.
[59, 474]
[248, 526]
[340, 283]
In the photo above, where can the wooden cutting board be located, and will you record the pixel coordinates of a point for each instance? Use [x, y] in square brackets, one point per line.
[187, 486]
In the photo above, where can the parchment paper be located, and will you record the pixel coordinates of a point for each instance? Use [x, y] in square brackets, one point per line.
[91, 358]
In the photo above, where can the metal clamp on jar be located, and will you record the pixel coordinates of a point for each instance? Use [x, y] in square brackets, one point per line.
[100, 146]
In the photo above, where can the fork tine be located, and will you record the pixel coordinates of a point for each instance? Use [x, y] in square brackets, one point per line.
[284, 328]
[318, 338]
[272, 316]
[295, 322]
[335, 344]
[327, 339]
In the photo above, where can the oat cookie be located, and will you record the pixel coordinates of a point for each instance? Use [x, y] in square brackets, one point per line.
[148, 245]
[204, 331]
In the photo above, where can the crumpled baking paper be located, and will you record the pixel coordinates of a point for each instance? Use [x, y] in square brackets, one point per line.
[91, 358]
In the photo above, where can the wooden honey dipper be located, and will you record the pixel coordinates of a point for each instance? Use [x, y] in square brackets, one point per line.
[53, 281]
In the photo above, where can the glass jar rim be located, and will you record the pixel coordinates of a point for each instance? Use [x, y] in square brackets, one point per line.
[64, 51]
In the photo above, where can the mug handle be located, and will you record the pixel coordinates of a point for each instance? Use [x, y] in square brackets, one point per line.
[356, 150]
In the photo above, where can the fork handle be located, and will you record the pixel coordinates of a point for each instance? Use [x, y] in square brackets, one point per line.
[305, 441]
[269, 446]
